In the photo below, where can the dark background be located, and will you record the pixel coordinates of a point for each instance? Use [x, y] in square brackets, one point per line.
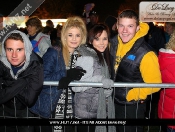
[102, 7]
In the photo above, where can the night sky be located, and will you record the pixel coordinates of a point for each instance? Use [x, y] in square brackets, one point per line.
[102, 7]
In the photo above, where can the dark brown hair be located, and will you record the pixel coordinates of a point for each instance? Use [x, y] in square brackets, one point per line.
[14, 36]
[94, 33]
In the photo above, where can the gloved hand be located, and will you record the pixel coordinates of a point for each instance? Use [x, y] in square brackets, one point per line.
[64, 82]
[108, 92]
[107, 83]
[75, 73]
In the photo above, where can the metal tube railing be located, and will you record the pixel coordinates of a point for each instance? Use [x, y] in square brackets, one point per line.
[95, 84]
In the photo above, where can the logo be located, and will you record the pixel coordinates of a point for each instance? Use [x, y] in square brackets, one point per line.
[157, 11]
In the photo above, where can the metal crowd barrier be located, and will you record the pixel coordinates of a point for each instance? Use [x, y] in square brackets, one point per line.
[118, 85]
[95, 84]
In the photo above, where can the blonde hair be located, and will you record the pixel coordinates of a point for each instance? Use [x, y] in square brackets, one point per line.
[171, 42]
[77, 22]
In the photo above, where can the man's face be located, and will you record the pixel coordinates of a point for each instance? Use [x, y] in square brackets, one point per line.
[15, 52]
[127, 29]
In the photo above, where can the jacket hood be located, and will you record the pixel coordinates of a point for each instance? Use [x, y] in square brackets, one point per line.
[166, 58]
[27, 47]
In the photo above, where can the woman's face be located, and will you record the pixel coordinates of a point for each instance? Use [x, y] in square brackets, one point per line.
[101, 42]
[31, 30]
[73, 38]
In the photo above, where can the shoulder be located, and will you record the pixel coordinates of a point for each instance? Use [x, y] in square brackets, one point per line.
[42, 36]
[50, 52]
[36, 57]
[150, 58]
[85, 50]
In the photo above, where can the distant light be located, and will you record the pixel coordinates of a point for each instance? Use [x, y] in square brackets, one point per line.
[55, 21]
[20, 21]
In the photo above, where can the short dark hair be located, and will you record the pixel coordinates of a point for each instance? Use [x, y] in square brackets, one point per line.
[128, 13]
[14, 36]
[46, 29]
[49, 22]
[35, 21]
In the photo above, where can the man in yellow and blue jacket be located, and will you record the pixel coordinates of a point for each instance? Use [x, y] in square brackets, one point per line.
[132, 61]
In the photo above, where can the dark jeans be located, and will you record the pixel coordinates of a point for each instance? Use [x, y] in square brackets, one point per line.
[130, 112]
[151, 106]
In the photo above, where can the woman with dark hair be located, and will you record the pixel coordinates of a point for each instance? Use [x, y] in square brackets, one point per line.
[91, 102]
[40, 41]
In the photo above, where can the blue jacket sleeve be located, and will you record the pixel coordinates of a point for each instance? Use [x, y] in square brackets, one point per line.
[54, 66]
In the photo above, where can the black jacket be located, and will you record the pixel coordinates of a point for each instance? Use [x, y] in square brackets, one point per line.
[128, 70]
[23, 91]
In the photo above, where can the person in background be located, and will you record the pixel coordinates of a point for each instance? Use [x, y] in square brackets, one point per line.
[73, 34]
[54, 70]
[21, 77]
[111, 22]
[40, 42]
[93, 16]
[169, 27]
[91, 102]
[53, 34]
[132, 61]
[58, 38]
[155, 37]
[166, 102]
[47, 30]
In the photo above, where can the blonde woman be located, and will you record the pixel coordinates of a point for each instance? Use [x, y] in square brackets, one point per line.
[73, 34]
[166, 103]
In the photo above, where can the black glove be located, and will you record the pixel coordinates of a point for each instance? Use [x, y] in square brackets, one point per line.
[64, 82]
[75, 73]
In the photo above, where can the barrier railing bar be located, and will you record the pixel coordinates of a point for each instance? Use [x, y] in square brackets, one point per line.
[95, 84]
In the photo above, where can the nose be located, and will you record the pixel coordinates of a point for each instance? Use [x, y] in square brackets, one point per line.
[73, 37]
[14, 54]
[102, 42]
[124, 29]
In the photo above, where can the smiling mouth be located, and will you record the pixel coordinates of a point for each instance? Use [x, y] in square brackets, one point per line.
[73, 42]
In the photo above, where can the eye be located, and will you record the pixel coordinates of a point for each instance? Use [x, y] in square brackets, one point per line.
[19, 49]
[78, 35]
[70, 35]
[105, 38]
[8, 49]
[96, 39]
